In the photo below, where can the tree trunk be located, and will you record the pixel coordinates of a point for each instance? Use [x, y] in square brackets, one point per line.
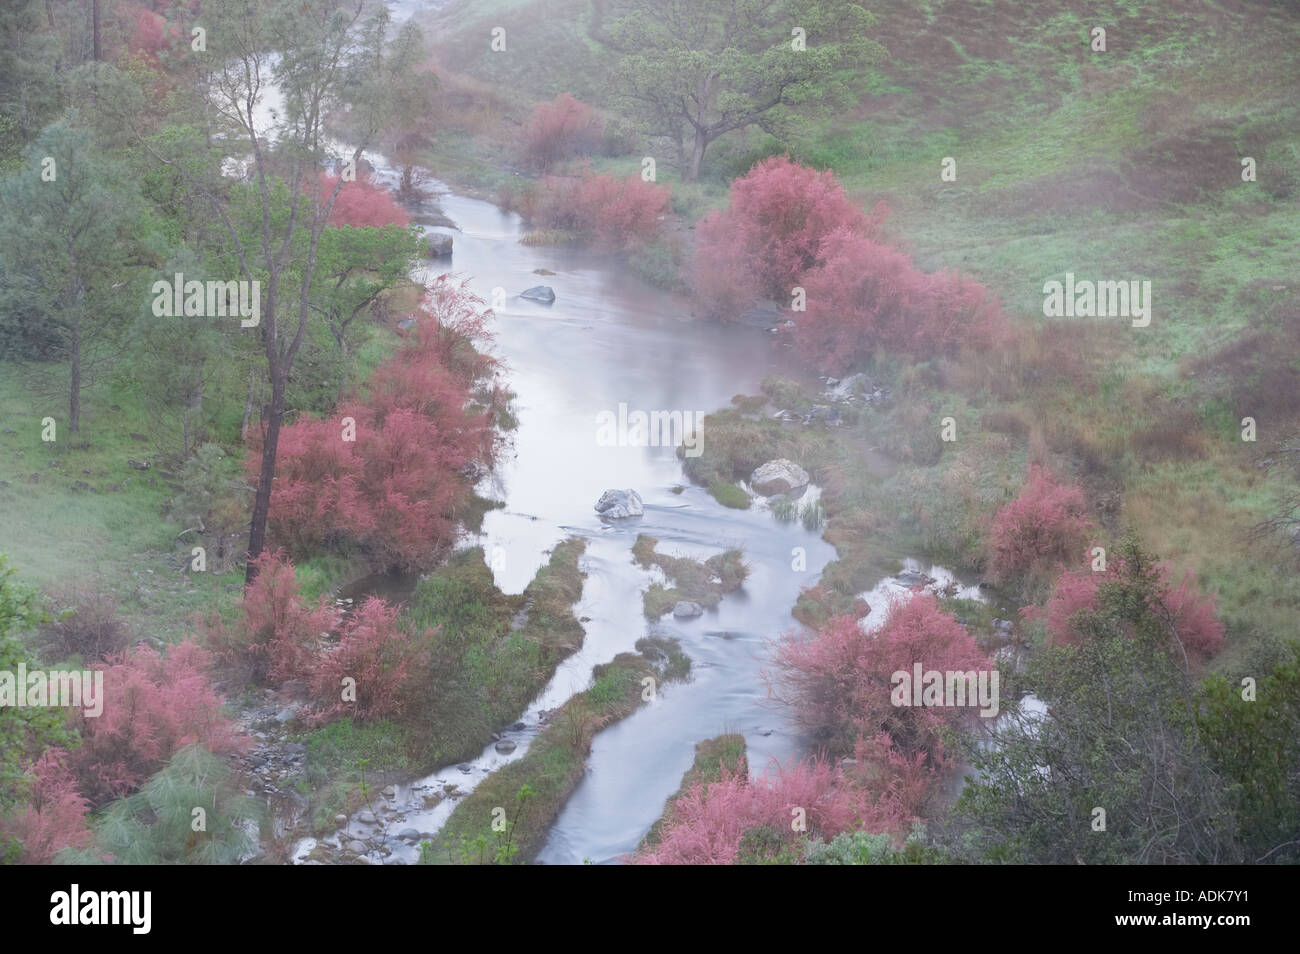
[697, 156]
[94, 28]
[265, 481]
[248, 406]
[74, 396]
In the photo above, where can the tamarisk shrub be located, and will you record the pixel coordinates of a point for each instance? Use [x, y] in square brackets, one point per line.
[154, 704]
[561, 129]
[771, 235]
[54, 817]
[840, 679]
[1191, 613]
[708, 824]
[1045, 527]
[362, 203]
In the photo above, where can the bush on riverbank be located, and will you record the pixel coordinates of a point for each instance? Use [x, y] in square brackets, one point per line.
[561, 129]
[1040, 532]
[613, 212]
[839, 679]
[385, 475]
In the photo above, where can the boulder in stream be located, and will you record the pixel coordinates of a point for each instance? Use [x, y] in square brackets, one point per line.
[543, 293]
[687, 610]
[778, 476]
[505, 746]
[617, 504]
[438, 244]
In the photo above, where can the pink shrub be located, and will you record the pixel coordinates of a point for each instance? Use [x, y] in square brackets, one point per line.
[148, 32]
[55, 815]
[1193, 617]
[840, 680]
[1044, 527]
[393, 492]
[771, 235]
[558, 130]
[389, 664]
[1191, 613]
[708, 823]
[617, 213]
[867, 297]
[362, 203]
[1075, 591]
[153, 705]
[278, 635]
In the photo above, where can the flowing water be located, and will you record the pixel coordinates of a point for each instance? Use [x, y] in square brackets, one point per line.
[610, 339]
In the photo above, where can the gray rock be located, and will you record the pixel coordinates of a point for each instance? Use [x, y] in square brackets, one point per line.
[846, 388]
[543, 293]
[340, 819]
[913, 578]
[778, 476]
[366, 818]
[518, 727]
[617, 504]
[438, 245]
[505, 746]
[765, 314]
[408, 834]
[390, 791]
[406, 324]
[356, 847]
[465, 767]
[687, 610]
[286, 714]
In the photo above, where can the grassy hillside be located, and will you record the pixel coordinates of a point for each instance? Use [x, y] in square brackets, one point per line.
[1123, 164]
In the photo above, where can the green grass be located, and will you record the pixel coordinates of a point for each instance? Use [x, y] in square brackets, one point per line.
[554, 764]
[340, 756]
[729, 495]
[108, 533]
[704, 582]
[488, 670]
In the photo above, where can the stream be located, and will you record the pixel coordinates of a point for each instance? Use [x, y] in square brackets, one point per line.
[611, 339]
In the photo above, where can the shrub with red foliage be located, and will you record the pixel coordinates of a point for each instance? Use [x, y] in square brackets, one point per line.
[1044, 528]
[867, 297]
[790, 226]
[558, 130]
[389, 663]
[1191, 613]
[771, 235]
[54, 817]
[362, 203]
[617, 213]
[708, 824]
[840, 679]
[279, 633]
[154, 704]
[393, 492]
[149, 32]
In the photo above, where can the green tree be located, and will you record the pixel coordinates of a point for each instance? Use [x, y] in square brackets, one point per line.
[189, 813]
[321, 58]
[1254, 742]
[695, 71]
[29, 91]
[1119, 735]
[73, 235]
